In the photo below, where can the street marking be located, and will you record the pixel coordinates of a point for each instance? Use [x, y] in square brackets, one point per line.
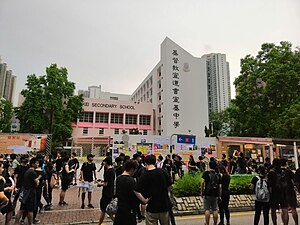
[234, 214]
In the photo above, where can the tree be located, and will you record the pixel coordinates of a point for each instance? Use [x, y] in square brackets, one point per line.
[267, 89]
[219, 124]
[50, 106]
[6, 113]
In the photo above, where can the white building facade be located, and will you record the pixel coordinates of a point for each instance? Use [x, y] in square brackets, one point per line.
[177, 88]
[218, 82]
[95, 92]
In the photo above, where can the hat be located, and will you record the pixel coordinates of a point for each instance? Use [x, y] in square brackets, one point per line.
[90, 156]
[108, 160]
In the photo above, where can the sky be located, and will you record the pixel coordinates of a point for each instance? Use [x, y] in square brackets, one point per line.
[116, 43]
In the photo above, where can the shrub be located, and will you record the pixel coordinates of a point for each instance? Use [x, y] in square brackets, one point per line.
[240, 184]
[189, 185]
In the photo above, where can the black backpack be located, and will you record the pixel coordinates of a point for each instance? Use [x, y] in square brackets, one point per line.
[212, 185]
[281, 181]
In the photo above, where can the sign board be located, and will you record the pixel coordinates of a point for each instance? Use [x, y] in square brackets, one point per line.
[186, 139]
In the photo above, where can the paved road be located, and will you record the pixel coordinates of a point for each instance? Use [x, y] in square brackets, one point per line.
[241, 218]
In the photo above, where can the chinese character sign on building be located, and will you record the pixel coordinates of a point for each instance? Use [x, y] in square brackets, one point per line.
[175, 89]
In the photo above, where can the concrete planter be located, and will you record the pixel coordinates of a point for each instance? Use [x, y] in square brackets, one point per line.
[194, 205]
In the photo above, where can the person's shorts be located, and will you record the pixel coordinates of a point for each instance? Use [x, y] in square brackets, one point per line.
[289, 201]
[210, 203]
[275, 201]
[65, 184]
[8, 208]
[104, 201]
[87, 186]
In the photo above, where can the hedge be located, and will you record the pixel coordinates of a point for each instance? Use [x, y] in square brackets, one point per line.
[189, 185]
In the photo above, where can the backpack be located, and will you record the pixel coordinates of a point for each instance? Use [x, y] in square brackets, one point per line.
[261, 190]
[211, 188]
[281, 181]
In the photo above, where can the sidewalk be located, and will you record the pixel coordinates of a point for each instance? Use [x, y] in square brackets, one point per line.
[71, 213]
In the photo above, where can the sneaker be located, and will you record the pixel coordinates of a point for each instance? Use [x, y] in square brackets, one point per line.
[22, 222]
[74, 184]
[62, 203]
[90, 206]
[36, 221]
[82, 206]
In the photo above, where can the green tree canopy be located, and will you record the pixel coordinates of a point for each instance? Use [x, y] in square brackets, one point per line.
[50, 105]
[267, 93]
[6, 113]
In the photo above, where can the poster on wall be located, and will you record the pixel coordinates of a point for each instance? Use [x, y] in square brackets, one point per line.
[144, 148]
[22, 143]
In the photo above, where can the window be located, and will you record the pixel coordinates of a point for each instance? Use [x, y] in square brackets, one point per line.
[145, 132]
[86, 117]
[101, 117]
[101, 131]
[133, 131]
[117, 131]
[145, 120]
[116, 118]
[131, 119]
[85, 130]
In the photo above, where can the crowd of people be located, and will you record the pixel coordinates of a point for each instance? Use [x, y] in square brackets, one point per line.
[27, 179]
[142, 186]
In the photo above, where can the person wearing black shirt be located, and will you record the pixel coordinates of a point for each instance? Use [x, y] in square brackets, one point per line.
[49, 170]
[127, 200]
[66, 178]
[224, 161]
[178, 165]
[6, 188]
[241, 164]
[192, 165]
[210, 189]
[29, 192]
[39, 189]
[288, 194]
[108, 187]
[267, 164]
[260, 205]
[232, 165]
[224, 201]
[152, 188]
[119, 168]
[88, 169]
[19, 177]
[74, 164]
[58, 164]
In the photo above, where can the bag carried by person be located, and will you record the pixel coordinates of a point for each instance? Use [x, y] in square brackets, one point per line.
[212, 184]
[261, 190]
[24, 195]
[281, 181]
[54, 181]
[112, 207]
